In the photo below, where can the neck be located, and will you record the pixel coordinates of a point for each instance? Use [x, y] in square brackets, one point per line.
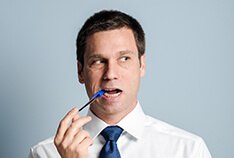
[112, 118]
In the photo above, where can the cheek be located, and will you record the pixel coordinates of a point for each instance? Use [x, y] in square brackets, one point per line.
[90, 84]
[133, 79]
[92, 78]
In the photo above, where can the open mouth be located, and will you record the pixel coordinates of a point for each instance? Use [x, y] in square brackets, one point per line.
[112, 92]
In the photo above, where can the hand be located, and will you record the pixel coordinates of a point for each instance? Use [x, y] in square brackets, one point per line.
[72, 141]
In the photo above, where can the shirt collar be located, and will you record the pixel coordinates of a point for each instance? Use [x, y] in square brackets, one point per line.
[95, 126]
[133, 123]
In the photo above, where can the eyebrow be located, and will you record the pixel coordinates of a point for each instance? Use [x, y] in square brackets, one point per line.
[123, 52]
[126, 52]
[95, 56]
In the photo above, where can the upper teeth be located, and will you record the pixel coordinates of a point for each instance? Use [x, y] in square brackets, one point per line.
[111, 95]
[109, 89]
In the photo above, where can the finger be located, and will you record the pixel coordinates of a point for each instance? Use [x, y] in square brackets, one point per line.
[75, 118]
[87, 142]
[81, 135]
[76, 125]
[81, 144]
[65, 123]
[74, 129]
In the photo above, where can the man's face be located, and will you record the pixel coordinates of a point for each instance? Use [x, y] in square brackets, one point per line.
[111, 63]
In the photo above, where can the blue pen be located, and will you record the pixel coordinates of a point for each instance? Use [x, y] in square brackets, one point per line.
[97, 95]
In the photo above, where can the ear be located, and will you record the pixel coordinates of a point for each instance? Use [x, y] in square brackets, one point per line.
[80, 73]
[142, 68]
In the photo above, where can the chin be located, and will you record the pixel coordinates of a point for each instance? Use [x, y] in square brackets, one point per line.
[110, 107]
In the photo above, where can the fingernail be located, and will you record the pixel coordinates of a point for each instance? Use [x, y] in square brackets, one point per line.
[74, 109]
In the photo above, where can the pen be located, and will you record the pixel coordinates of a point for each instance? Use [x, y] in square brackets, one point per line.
[95, 96]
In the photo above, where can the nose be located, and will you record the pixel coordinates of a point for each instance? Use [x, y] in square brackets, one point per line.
[111, 71]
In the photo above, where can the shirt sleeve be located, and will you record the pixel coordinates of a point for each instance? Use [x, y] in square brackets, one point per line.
[31, 154]
[203, 151]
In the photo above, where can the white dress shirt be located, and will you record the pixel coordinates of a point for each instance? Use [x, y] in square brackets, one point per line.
[142, 137]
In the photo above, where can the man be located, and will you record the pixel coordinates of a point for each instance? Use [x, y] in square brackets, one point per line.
[111, 57]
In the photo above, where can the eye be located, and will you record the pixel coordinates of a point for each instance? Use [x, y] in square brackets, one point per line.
[124, 58]
[97, 62]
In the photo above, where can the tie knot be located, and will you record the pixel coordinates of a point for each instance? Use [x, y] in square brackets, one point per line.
[112, 133]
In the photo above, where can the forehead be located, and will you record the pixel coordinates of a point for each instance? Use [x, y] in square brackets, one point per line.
[117, 40]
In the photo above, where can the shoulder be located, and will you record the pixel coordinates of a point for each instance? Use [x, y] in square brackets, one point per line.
[45, 149]
[166, 129]
[175, 139]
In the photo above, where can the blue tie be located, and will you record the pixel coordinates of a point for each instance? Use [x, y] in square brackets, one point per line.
[111, 135]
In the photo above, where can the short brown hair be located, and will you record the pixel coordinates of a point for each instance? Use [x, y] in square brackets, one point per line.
[109, 20]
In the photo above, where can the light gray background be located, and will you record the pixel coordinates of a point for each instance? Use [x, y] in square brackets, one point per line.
[189, 74]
